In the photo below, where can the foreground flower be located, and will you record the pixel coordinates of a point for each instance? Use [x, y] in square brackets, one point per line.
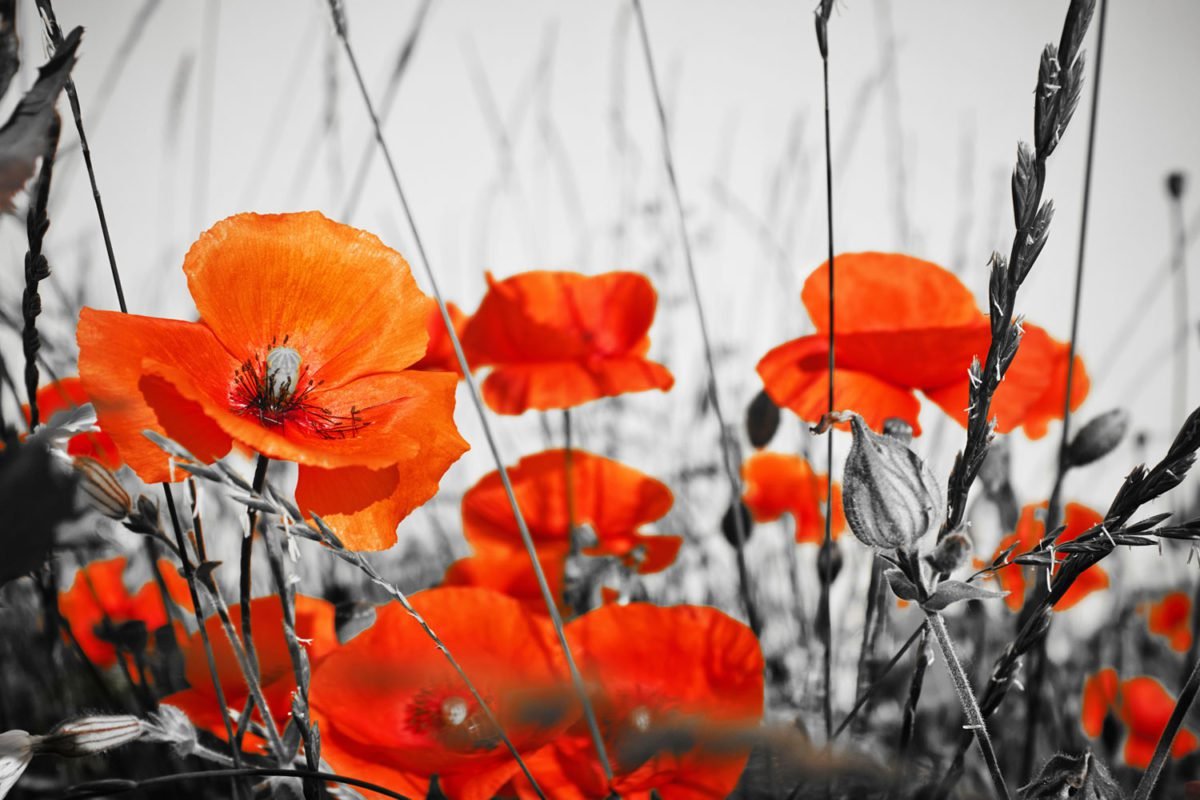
[779, 483]
[614, 500]
[1171, 617]
[1143, 706]
[316, 631]
[1031, 528]
[906, 325]
[68, 393]
[440, 356]
[98, 602]
[674, 691]
[307, 331]
[393, 711]
[559, 339]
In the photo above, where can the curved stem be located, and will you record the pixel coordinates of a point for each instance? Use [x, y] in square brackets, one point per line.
[1162, 751]
[104, 788]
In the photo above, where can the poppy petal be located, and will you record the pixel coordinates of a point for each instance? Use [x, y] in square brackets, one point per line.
[67, 393]
[1049, 404]
[344, 300]
[507, 570]
[1099, 695]
[516, 388]
[440, 355]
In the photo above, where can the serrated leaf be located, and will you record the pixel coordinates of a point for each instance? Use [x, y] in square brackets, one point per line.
[950, 592]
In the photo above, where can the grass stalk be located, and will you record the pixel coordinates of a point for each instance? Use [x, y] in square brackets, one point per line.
[1162, 751]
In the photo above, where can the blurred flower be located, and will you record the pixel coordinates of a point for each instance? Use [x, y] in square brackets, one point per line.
[98, 602]
[905, 325]
[612, 499]
[1171, 617]
[559, 339]
[674, 690]
[779, 483]
[393, 711]
[316, 631]
[69, 393]
[440, 356]
[1031, 528]
[307, 331]
[1143, 706]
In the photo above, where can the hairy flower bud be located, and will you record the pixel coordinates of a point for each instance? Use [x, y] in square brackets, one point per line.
[950, 554]
[16, 751]
[89, 736]
[890, 497]
[1098, 437]
[102, 489]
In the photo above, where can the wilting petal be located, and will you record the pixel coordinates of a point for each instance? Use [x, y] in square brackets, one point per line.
[112, 349]
[796, 377]
[347, 302]
[888, 292]
[1099, 696]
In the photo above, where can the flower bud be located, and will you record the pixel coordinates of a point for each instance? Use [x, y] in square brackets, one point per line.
[762, 420]
[89, 736]
[16, 751]
[102, 489]
[1098, 437]
[950, 554]
[890, 497]
[729, 523]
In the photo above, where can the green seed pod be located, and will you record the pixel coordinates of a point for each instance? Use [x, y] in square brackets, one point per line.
[890, 497]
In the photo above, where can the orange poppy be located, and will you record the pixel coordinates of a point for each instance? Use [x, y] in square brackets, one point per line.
[64, 394]
[674, 690]
[559, 339]
[440, 356]
[1172, 617]
[393, 711]
[316, 631]
[307, 331]
[779, 483]
[613, 499]
[906, 325]
[1143, 706]
[1031, 527]
[98, 597]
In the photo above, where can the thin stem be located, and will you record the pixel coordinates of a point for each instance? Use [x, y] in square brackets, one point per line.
[1179, 267]
[870, 690]
[104, 788]
[204, 113]
[1162, 750]
[477, 402]
[245, 583]
[727, 447]
[967, 697]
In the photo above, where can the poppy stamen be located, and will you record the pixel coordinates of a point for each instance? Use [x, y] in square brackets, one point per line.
[457, 723]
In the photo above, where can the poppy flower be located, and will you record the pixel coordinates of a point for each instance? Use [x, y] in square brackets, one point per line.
[67, 393]
[559, 339]
[307, 329]
[440, 356]
[1143, 706]
[98, 598]
[906, 325]
[394, 712]
[673, 689]
[613, 499]
[778, 484]
[1031, 528]
[316, 631]
[1172, 617]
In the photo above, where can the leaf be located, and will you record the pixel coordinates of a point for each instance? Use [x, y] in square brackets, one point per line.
[1081, 777]
[950, 592]
[902, 587]
[23, 138]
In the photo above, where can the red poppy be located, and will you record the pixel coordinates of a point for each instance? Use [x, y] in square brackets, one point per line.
[659, 677]
[1143, 706]
[614, 500]
[307, 331]
[99, 597]
[905, 325]
[440, 356]
[559, 339]
[393, 711]
[1172, 617]
[1031, 528]
[67, 393]
[316, 631]
[778, 484]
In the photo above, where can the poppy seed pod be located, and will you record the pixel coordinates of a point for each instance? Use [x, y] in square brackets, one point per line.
[890, 497]
[1098, 437]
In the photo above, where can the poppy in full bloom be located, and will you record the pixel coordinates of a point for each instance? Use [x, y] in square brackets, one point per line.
[440, 356]
[559, 339]
[779, 483]
[66, 393]
[906, 325]
[316, 631]
[1171, 617]
[1142, 705]
[1031, 527]
[674, 689]
[393, 711]
[307, 331]
[99, 597]
[613, 499]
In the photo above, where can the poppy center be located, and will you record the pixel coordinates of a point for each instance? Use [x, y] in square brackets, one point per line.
[457, 723]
